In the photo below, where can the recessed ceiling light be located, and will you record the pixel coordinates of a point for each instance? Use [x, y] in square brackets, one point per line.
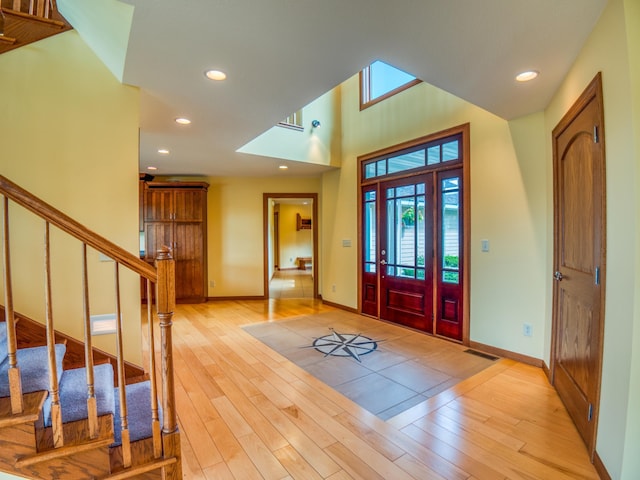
[163, 151]
[526, 76]
[183, 121]
[215, 75]
[282, 167]
[152, 168]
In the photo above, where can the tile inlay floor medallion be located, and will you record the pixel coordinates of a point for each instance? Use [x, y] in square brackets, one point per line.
[384, 368]
[344, 345]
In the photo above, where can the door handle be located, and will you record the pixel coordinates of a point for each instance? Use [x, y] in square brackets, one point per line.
[558, 276]
[383, 262]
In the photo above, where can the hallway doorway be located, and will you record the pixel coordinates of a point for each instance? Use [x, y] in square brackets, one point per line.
[290, 245]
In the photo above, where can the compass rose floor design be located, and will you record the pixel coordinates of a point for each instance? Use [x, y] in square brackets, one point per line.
[384, 368]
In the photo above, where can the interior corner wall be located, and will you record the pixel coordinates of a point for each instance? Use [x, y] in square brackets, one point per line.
[508, 206]
[631, 459]
[69, 134]
[606, 51]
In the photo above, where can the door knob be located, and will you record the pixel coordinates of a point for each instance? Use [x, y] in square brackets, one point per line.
[383, 262]
[557, 276]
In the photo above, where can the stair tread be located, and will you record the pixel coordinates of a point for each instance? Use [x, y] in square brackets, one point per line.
[138, 413]
[32, 404]
[3, 341]
[33, 369]
[73, 394]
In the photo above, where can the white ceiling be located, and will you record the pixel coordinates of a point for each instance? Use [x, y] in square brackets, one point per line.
[280, 55]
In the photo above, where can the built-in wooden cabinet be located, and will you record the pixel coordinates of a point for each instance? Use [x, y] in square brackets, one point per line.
[175, 215]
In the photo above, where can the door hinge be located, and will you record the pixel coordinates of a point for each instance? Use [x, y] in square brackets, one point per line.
[596, 139]
[590, 414]
[597, 275]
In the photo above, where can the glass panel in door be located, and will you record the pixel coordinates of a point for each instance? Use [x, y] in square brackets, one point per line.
[449, 282]
[369, 251]
[406, 246]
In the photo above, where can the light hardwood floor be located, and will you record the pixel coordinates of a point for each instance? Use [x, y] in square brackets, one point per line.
[245, 412]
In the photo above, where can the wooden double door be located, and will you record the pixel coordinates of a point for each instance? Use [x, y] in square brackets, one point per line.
[175, 216]
[412, 245]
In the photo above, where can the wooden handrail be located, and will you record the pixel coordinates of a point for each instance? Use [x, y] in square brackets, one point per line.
[166, 440]
[67, 224]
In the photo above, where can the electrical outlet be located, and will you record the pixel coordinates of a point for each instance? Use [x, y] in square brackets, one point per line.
[333, 287]
[527, 329]
[212, 283]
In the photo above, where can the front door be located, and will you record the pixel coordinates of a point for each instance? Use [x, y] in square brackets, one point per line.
[579, 259]
[406, 249]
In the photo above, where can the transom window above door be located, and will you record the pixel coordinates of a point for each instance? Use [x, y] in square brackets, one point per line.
[429, 155]
[381, 80]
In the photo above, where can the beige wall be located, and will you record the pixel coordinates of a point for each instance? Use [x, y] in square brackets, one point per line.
[294, 243]
[235, 230]
[606, 51]
[631, 459]
[312, 145]
[69, 135]
[508, 207]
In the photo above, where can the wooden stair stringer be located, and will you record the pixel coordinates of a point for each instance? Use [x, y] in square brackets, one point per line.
[22, 29]
[80, 456]
[18, 433]
[141, 469]
[32, 409]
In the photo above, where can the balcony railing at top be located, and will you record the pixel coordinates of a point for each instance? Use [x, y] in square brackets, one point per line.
[162, 276]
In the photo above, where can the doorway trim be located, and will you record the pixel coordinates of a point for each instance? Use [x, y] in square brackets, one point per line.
[266, 198]
[464, 131]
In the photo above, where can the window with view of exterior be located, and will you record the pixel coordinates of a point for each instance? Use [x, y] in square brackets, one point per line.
[381, 80]
[293, 121]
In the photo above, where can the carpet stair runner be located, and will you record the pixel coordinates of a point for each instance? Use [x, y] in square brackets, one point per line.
[34, 371]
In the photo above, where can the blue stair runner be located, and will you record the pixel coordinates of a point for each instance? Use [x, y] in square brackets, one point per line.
[34, 372]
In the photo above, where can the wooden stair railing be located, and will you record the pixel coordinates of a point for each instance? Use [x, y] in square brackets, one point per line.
[166, 441]
[26, 21]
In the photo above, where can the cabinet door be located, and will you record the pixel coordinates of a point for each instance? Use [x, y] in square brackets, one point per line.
[158, 205]
[189, 256]
[157, 235]
[189, 205]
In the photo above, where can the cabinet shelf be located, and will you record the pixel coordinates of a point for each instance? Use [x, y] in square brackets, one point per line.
[302, 223]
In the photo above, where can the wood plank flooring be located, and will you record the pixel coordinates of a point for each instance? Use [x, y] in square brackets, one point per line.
[246, 412]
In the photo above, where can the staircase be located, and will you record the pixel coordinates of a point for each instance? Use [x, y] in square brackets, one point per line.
[86, 422]
[27, 21]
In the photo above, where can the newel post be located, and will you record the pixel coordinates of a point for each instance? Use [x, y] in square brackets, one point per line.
[165, 304]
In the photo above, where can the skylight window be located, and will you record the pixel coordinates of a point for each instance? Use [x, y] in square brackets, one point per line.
[381, 80]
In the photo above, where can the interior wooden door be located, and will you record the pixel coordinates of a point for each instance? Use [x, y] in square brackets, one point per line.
[406, 251]
[579, 258]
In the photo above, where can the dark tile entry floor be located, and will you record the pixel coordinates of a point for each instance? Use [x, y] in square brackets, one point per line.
[405, 367]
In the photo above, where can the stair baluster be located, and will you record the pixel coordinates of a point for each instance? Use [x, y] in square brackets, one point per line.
[92, 407]
[126, 442]
[56, 413]
[15, 381]
[155, 418]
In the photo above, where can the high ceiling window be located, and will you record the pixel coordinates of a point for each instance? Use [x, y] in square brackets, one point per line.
[293, 121]
[381, 80]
